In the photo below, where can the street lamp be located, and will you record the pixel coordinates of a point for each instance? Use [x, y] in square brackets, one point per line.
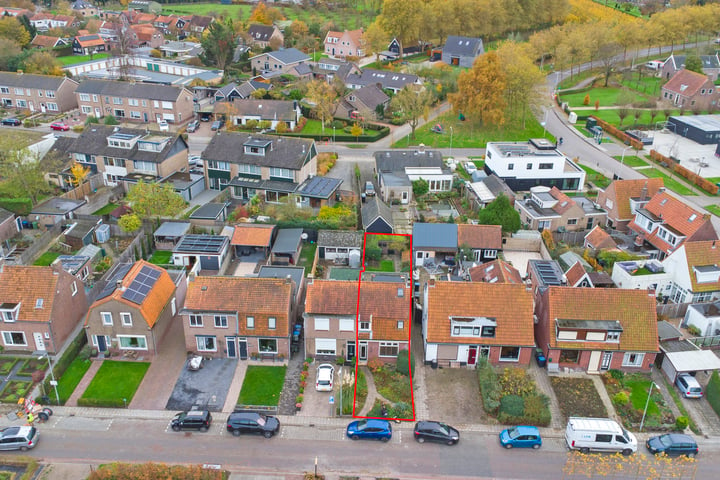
[333, 134]
[341, 389]
[544, 123]
[451, 136]
[642, 422]
[622, 158]
[53, 382]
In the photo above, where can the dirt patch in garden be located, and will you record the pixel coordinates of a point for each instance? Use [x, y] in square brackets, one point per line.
[578, 397]
[453, 396]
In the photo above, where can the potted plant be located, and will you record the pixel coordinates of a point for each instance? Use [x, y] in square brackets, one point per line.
[298, 406]
[306, 366]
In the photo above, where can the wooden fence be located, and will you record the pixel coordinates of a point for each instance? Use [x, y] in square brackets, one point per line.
[692, 177]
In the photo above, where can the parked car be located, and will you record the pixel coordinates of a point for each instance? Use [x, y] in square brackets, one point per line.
[18, 438]
[256, 423]
[193, 126]
[369, 189]
[324, 379]
[370, 429]
[217, 125]
[435, 432]
[163, 126]
[59, 126]
[205, 117]
[195, 161]
[192, 420]
[521, 436]
[688, 386]
[470, 167]
[12, 121]
[672, 445]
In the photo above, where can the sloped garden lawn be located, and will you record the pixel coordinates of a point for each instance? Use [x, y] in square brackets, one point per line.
[629, 394]
[511, 396]
[578, 397]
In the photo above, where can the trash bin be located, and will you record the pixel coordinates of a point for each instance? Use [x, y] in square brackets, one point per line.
[434, 365]
[540, 357]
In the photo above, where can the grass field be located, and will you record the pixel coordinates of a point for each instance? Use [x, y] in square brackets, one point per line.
[106, 209]
[714, 209]
[631, 160]
[384, 266]
[71, 378]
[46, 259]
[161, 257]
[649, 85]
[314, 127]
[262, 386]
[608, 97]
[612, 117]
[675, 185]
[469, 134]
[115, 381]
[73, 59]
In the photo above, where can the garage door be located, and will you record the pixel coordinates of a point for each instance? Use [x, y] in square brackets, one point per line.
[325, 346]
[209, 263]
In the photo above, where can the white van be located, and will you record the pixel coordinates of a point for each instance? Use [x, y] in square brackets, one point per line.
[599, 434]
[654, 65]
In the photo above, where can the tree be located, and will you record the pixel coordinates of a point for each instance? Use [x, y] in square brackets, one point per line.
[323, 95]
[265, 15]
[155, 200]
[356, 130]
[608, 53]
[420, 187]
[9, 51]
[43, 63]
[21, 169]
[693, 64]
[218, 44]
[375, 39]
[402, 18]
[12, 29]
[412, 103]
[130, 222]
[523, 79]
[500, 212]
[481, 91]
[79, 173]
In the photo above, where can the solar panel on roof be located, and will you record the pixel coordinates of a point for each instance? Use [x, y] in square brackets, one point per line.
[141, 285]
[112, 283]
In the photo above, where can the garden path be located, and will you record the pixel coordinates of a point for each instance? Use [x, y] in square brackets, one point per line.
[87, 378]
[542, 380]
[372, 394]
[600, 387]
[291, 387]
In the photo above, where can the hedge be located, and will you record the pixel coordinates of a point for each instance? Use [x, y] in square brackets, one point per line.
[19, 206]
[691, 176]
[61, 364]
[98, 402]
[489, 386]
[712, 392]
[384, 132]
[616, 132]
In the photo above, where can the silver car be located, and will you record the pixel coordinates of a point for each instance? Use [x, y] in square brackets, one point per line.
[688, 386]
[18, 438]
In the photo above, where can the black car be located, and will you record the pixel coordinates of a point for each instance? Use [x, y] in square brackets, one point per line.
[244, 422]
[192, 420]
[672, 445]
[435, 432]
[11, 121]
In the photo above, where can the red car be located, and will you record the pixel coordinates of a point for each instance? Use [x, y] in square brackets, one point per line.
[59, 126]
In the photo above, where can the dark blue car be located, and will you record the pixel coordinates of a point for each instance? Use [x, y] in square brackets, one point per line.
[370, 429]
[521, 437]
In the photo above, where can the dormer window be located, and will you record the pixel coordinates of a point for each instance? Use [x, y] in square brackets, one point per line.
[613, 336]
[9, 311]
[473, 327]
[707, 273]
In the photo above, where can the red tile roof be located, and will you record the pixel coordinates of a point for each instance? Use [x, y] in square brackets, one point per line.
[27, 284]
[702, 254]
[686, 83]
[575, 274]
[331, 297]
[45, 41]
[627, 189]
[634, 309]
[497, 271]
[480, 236]
[510, 305]
[252, 235]
[564, 203]
[600, 239]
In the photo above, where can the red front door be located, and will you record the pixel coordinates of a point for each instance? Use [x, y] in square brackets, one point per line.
[472, 355]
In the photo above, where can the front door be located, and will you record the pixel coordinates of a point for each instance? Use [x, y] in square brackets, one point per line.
[404, 197]
[230, 342]
[145, 117]
[102, 346]
[472, 355]
[606, 358]
[594, 363]
[39, 342]
[350, 351]
[242, 347]
[363, 351]
[98, 113]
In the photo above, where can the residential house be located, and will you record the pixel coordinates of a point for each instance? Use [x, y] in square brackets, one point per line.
[336, 245]
[598, 329]
[459, 332]
[14, 12]
[264, 36]
[690, 90]
[37, 93]
[200, 23]
[461, 51]
[238, 317]
[139, 18]
[549, 208]
[393, 50]
[484, 191]
[705, 317]
[297, 277]
[145, 6]
[128, 155]
[148, 36]
[329, 69]
[9, 225]
[497, 271]
[598, 239]
[168, 234]
[623, 197]
[254, 164]
[54, 210]
[40, 308]
[209, 254]
[180, 50]
[433, 242]
[675, 63]
[344, 44]
[482, 242]
[365, 103]
[233, 91]
[376, 216]
[280, 62]
[394, 81]
[250, 238]
[47, 42]
[242, 111]
[89, 44]
[47, 21]
[523, 165]
[110, 31]
[186, 184]
[398, 169]
[84, 9]
[665, 223]
[380, 310]
[163, 22]
[135, 309]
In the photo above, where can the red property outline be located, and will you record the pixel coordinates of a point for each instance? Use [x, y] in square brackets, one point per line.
[409, 320]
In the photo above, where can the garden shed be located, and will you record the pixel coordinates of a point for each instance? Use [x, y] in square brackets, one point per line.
[169, 233]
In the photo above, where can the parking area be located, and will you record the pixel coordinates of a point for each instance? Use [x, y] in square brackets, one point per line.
[207, 387]
[317, 404]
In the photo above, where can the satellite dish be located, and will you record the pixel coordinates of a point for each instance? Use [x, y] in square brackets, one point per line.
[304, 236]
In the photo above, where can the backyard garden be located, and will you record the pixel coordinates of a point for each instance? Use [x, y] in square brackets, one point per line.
[578, 397]
[27, 372]
[629, 394]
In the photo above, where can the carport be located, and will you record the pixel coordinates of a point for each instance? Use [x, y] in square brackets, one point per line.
[691, 361]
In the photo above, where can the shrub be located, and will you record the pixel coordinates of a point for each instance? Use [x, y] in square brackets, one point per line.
[712, 392]
[516, 381]
[693, 330]
[537, 411]
[681, 423]
[621, 399]
[489, 386]
[402, 365]
[586, 100]
[375, 364]
[512, 408]
[400, 410]
[299, 399]
[617, 374]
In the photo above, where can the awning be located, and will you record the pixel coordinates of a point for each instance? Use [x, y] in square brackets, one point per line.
[693, 361]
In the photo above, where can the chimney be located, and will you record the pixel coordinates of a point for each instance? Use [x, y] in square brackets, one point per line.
[421, 148]
[288, 279]
[118, 283]
[431, 282]
[643, 192]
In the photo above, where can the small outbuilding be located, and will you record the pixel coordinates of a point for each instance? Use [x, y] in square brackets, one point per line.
[169, 234]
[376, 216]
[286, 249]
[249, 237]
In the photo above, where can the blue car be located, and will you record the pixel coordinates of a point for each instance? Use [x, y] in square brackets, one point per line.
[521, 437]
[370, 429]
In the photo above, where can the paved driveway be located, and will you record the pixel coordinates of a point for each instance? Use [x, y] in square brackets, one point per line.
[316, 404]
[207, 387]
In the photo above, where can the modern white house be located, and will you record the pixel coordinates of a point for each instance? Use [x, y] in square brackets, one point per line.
[523, 165]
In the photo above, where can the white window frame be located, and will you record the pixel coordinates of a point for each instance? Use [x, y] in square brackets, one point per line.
[344, 323]
[322, 324]
[195, 320]
[365, 326]
[628, 357]
[8, 334]
[126, 319]
[221, 321]
[272, 323]
[510, 359]
[11, 315]
[85, 97]
[268, 340]
[104, 316]
[395, 345]
[202, 347]
[250, 321]
[120, 342]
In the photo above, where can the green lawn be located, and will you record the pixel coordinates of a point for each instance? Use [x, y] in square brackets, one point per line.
[713, 179]
[631, 160]
[608, 97]
[469, 134]
[73, 59]
[161, 257]
[714, 209]
[262, 385]
[314, 127]
[46, 259]
[648, 85]
[385, 266]
[639, 386]
[71, 378]
[115, 381]
[597, 178]
[307, 256]
[675, 185]
[106, 209]
[612, 117]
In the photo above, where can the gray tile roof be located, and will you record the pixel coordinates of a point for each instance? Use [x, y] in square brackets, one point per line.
[149, 91]
[287, 56]
[287, 240]
[708, 61]
[57, 206]
[340, 238]
[296, 274]
[303, 69]
[373, 209]
[261, 33]
[463, 46]
[343, 70]
[172, 229]
[319, 187]
[435, 235]
[369, 95]
[397, 160]
[93, 141]
[27, 80]
[209, 211]
[265, 109]
[227, 89]
[284, 152]
[385, 78]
